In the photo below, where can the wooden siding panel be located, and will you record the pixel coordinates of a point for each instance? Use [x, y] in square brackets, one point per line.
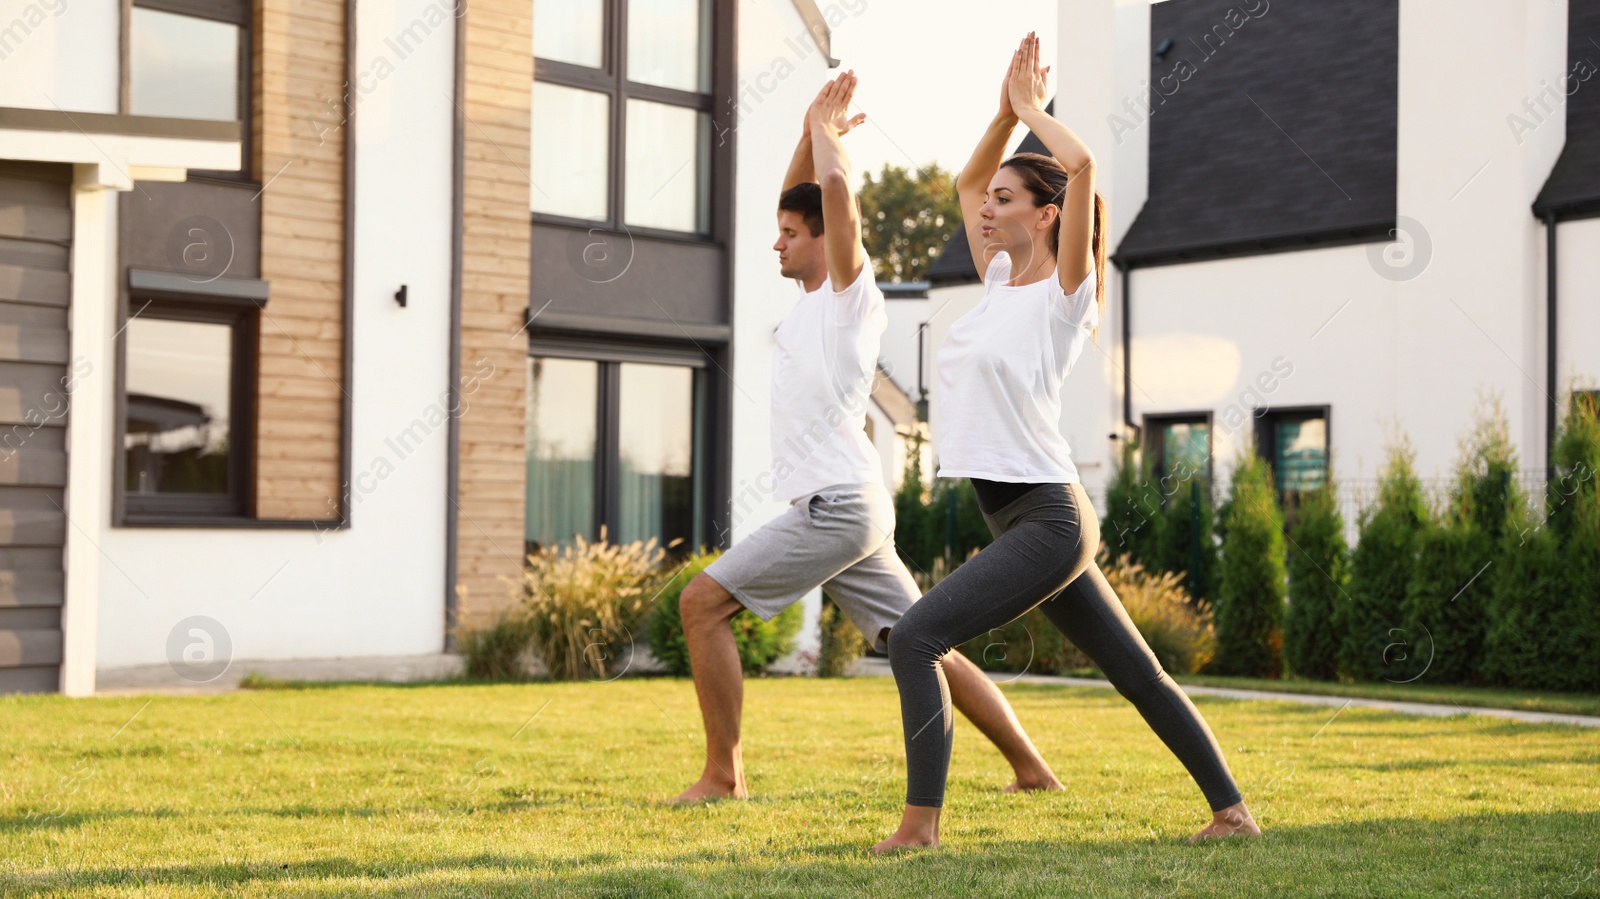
[301, 159]
[495, 258]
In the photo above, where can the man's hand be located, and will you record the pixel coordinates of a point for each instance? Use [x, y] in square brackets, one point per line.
[831, 108]
[1026, 89]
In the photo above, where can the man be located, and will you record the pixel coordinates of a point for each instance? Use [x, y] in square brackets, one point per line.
[839, 529]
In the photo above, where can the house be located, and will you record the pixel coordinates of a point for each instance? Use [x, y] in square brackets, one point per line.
[1327, 231]
[315, 316]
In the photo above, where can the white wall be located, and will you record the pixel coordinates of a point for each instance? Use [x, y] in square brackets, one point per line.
[60, 54]
[377, 588]
[899, 349]
[1578, 293]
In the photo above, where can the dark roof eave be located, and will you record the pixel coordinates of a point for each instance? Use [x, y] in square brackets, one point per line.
[1255, 246]
[1567, 208]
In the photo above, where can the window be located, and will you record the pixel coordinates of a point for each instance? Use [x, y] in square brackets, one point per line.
[186, 60]
[613, 443]
[1179, 446]
[622, 113]
[1295, 443]
[186, 410]
[189, 59]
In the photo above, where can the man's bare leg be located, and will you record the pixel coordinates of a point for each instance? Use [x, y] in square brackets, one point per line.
[977, 697]
[719, 683]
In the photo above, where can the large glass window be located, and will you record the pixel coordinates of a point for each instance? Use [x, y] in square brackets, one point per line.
[185, 423]
[1179, 446]
[667, 41]
[656, 448]
[622, 113]
[570, 31]
[571, 131]
[1295, 443]
[184, 66]
[563, 402]
[613, 445]
[668, 158]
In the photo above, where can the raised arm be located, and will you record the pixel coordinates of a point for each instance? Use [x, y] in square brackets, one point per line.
[973, 182]
[1076, 224]
[841, 217]
[802, 167]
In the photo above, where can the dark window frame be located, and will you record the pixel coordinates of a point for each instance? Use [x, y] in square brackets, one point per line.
[229, 12]
[610, 80]
[608, 425]
[1266, 445]
[1155, 449]
[238, 504]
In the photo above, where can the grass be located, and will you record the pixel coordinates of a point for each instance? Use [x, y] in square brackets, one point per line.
[555, 789]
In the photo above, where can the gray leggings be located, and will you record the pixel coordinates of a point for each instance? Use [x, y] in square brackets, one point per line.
[1043, 553]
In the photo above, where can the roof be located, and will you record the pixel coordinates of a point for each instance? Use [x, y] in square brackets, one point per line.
[904, 290]
[1271, 130]
[1573, 188]
[954, 265]
[895, 402]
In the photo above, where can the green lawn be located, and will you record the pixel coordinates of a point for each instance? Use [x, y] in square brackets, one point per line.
[552, 789]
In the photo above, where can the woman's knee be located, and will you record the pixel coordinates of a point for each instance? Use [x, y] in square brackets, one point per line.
[908, 647]
[1141, 681]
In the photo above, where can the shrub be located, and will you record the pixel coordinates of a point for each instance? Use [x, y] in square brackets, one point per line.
[1249, 616]
[1185, 543]
[1526, 601]
[1380, 567]
[584, 604]
[760, 643]
[1447, 594]
[914, 533]
[1178, 628]
[1544, 610]
[1318, 567]
[494, 652]
[840, 641]
[1577, 517]
[1133, 520]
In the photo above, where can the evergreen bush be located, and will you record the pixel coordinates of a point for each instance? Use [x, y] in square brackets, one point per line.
[1249, 616]
[1380, 570]
[1318, 568]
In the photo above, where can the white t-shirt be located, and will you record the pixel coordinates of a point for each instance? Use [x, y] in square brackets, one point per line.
[1000, 373]
[822, 369]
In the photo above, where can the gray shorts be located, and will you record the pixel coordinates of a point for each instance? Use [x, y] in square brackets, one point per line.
[839, 538]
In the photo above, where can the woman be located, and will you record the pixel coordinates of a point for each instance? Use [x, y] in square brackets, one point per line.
[1035, 222]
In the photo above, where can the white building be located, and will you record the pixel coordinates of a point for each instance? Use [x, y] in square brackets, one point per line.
[1327, 230]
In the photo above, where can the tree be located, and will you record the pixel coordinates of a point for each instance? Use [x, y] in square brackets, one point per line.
[906, 217]
[1448, 594]
[1371, 624]
[1544, 610]
[1250, 615]
[1318, 562]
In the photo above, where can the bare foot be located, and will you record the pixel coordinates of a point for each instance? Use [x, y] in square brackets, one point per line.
[919, 829]
[708, 790]
[1233, 821]
[1046, 785]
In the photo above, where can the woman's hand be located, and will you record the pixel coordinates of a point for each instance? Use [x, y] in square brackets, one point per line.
[831, 108]
[1025, 88]
[1006, 110]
